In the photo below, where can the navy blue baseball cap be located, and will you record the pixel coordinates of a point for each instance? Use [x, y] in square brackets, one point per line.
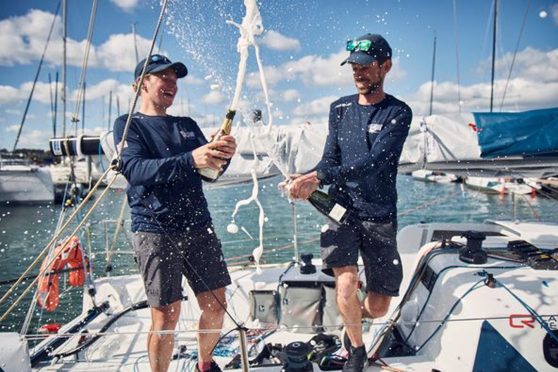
[159, 63]
[367, 49]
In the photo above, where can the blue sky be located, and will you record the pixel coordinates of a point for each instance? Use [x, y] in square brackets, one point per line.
[301, 50]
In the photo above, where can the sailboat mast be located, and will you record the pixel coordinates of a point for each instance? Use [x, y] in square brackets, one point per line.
[64, 34]
[83, 109]
[493, 54]
[135, 41]
[433, 74]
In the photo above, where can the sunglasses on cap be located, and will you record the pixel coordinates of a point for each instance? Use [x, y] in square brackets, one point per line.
[156, 58]
[362, 45]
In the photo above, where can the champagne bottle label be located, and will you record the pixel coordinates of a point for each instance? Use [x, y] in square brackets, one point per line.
[337, 212]
[208, 174]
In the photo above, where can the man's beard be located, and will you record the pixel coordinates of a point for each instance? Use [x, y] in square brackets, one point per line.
[371, 88]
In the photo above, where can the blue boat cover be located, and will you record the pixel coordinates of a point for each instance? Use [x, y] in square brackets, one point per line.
[528, 133]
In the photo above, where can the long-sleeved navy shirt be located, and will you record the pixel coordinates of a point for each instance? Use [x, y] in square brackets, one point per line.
[362, 153]
[164, 189]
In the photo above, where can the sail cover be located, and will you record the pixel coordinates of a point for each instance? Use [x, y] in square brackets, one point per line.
[528, 133]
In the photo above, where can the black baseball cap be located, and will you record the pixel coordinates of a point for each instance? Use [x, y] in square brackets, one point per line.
[367, 49]
[158, 63]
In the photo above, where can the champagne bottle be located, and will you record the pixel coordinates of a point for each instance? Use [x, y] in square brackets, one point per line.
[212, 175]
[328, 207]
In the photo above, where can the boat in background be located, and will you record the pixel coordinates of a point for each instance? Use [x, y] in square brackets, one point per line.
[24, 183]
[497, 185]
[427, 175]
[505, 144]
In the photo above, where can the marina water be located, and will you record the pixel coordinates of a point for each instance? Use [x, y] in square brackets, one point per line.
[25, 230]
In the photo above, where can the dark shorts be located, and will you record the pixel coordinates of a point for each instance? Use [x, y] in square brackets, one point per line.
[341, 244]
[163, 259]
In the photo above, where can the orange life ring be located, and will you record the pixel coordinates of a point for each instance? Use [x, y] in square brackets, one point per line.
[69, 253]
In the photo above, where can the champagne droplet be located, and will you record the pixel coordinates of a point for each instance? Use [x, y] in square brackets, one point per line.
[232, 228]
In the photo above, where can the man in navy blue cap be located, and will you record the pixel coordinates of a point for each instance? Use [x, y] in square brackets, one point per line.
[173, 231]
[366, 135]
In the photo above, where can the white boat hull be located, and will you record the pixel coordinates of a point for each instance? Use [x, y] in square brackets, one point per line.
[25, 185]
[449, 318]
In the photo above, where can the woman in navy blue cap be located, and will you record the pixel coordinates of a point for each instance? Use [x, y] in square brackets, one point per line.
[173, 231]
[366, 135]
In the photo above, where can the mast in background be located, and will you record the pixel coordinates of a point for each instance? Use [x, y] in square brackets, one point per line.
[433, 74]
[64, 34]
[135, 41]
[493, 54]
[53, 102]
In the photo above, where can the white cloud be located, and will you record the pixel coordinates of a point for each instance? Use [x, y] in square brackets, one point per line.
[23, 38]
[529, 63]
[30, 138]
[290, 95]
[126, 5]
[313, 108]
[317, 71]
[522, 94]
[534, 84]
[193, 80]
[9, 94]
[118, 53]
[213, 97]
[277, 41]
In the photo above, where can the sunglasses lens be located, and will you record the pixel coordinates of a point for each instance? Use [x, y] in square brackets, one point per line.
[364, 45]
[157, 58]
[351, 45]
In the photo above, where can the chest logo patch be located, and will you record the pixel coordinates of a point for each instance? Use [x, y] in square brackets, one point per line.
[374, 127]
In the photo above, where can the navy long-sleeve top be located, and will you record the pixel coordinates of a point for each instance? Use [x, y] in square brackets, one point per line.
[164, 189]
[362, 153]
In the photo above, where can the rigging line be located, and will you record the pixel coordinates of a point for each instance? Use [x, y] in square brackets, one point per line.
[81, 84]
[535, 214]
[119, 223]
[273, 250]
[120, 146]
[36, 77]
[446, 318]
[429, 203]
[174, 245]
[42, 336]
[97, 201]
[456, 34]
[54, 272]
[515, 53]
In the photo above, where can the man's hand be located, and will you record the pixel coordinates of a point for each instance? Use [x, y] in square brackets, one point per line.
[215, 154]
[302, 186]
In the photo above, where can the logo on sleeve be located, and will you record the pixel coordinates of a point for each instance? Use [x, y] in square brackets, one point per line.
[374, 127]
[187, 135]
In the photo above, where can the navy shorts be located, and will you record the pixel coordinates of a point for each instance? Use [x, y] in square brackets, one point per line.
[164, 258]
[376, 243]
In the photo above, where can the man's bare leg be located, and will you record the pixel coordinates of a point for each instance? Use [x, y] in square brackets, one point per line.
[375, 305]
[346, 282]
[160, 346]
[213, 313]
